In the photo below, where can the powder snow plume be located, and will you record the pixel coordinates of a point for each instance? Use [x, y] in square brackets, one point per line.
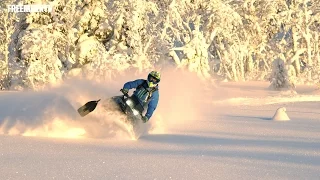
[48, 114]
[52, 112]
[182, 101]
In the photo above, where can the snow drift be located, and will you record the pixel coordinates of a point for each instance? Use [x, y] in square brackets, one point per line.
[281, 115]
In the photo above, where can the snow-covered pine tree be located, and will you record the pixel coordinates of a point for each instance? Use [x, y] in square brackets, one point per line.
[7, 26]
[281, 76]
[97, 37]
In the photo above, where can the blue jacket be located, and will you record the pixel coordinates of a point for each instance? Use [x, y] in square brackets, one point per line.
[142, 95]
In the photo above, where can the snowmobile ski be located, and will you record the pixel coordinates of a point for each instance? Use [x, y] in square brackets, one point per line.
[88, 107]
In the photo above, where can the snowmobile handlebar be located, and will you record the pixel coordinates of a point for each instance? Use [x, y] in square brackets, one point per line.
[124, 93]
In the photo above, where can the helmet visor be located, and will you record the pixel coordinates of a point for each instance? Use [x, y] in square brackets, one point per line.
[153, 79]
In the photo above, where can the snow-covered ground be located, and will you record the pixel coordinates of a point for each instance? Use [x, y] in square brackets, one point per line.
[226, 134]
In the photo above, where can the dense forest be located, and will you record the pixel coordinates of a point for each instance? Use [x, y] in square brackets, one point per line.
[235, 40]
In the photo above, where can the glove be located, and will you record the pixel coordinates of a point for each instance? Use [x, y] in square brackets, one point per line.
[124, 91]
[145, 119]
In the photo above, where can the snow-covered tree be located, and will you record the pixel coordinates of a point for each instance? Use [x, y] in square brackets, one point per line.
[134, 28]
[38, 52]
[282, 76]
[196, 53]
[95, 38]
[299, 22]
[7, 22]
[183, 28]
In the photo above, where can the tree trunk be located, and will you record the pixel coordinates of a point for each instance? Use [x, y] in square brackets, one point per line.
[316, 48]
[234, 70]
[307, 36]
[295, 38]
[5, 50]
[249, 61]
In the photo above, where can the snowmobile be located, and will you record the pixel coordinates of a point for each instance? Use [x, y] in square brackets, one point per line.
[128, 105]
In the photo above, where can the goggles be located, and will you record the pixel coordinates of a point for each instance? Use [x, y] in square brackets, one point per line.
[153, 79]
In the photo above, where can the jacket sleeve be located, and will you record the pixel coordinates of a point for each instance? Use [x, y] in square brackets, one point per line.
[152, 104]
[133, 84]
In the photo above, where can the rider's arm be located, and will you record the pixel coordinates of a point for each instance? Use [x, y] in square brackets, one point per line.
[133, 84]
[152, 104]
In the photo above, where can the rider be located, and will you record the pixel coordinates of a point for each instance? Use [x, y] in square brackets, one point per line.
[146, 92]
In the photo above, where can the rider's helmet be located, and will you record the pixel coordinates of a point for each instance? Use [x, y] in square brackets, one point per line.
[153, 78]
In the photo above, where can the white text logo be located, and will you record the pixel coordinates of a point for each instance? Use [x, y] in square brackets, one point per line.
[29, 8]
